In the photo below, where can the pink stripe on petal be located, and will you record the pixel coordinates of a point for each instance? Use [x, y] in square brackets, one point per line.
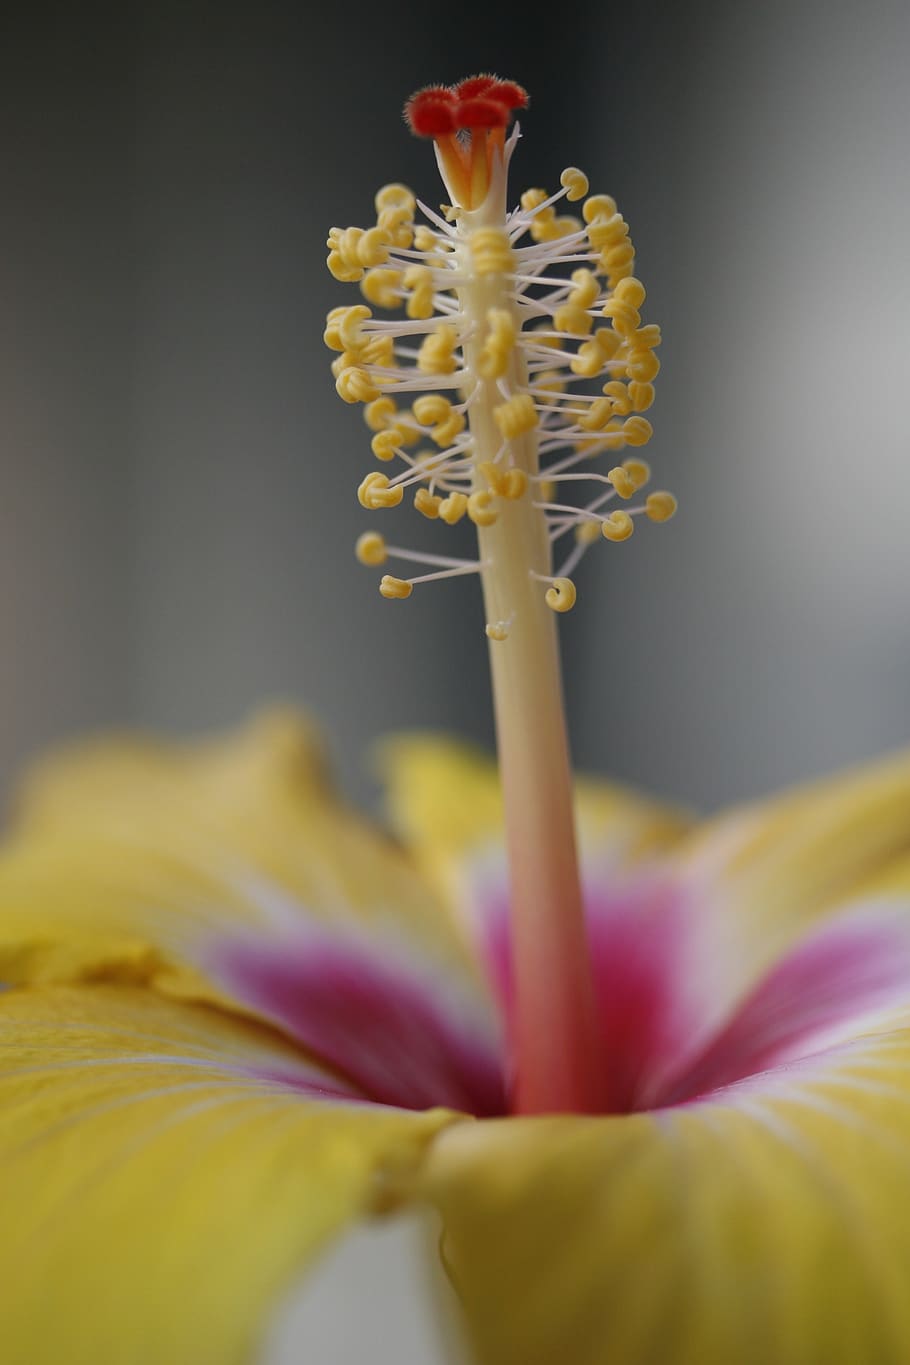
[824, 991]
[400, 1037]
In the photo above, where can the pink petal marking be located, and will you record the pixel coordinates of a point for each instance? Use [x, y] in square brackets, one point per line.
[834, 982]
[399, 1035]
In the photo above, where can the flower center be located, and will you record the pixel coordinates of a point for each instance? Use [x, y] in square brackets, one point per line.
[523, 355]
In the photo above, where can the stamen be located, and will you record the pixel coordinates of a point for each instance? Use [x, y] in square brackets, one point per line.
[523, 363]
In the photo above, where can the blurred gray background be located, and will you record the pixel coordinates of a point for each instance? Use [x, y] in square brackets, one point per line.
[177, 476]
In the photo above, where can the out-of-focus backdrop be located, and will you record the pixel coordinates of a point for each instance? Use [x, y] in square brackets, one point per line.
[177, 475]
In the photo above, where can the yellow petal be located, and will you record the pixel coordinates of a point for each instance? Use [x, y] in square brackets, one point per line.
[165, 1172]
[141, 862]
[768, 1224]
[760, 875]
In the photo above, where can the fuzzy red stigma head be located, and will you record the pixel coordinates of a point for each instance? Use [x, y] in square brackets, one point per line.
[467, 122]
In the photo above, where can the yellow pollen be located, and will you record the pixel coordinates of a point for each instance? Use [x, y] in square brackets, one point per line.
[380, 413]
[386, 444]
[381, 287]
[618, 526]
[660, 506]
[516, 417]
[639, 471]
[641, 396]
[622, 482]
[587, 533]
[395, 588]
[374, 492]
[437, 354]
[418, 279]
[482, 508]
[637, 431]
[498, 344]
[497, 630]
[574, 182]
[356, 386]
[453, 508]
[491, 252]
[395, 196]
[561, 596]
[371, 549]
[427, 503]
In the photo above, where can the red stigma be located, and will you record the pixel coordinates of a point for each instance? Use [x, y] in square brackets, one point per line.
[478, 102]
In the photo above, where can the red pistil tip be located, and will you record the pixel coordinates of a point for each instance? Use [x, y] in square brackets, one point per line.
[478, 102]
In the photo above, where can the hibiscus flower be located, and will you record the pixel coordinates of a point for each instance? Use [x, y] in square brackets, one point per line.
[653, 1080]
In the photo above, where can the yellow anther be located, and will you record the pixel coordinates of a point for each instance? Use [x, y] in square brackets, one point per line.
[618, 526]
[346, 361]
[587, 533]
[374, 492]
[646, 338]
[453, 508]
[395, 196]
[373, 247]
[532, 199]
[332, 335]
[621, 481]
[630, 291]
[588, 361]
[639, 471]
[498, 343]
[660, 506]
[637, 431]
[385, 444]
[497, 630]
[427, 503]
[437, 353]
[482, 508]
[430, 408]
[607, 234]
[371, 549]
[617, 262]
[419, 280]
[491, 253]
[547, 490]
[350, 325]
[608, 341]
[508, 482]
[356, 386]
[587, 288]
[643, 366]
[551, 381]
[380, 413]
[381, 287]
[574, 182]
[561, 596]
[596, 417]
[571, 318]
[345, 273]
[514, 485]
[398, 222]
[598, 206]
[425, 239]
[395, 588]
[546, 227]
[641, 396]
[618, 395]
[516, 417]
[378, 350]
[625, 319]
